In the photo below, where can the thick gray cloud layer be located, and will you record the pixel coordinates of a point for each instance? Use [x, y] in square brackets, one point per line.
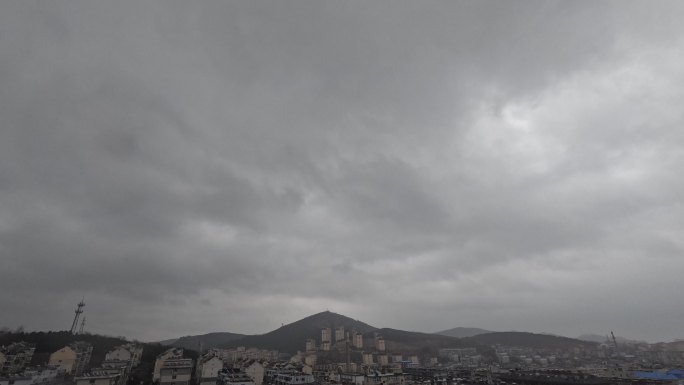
[221, 166]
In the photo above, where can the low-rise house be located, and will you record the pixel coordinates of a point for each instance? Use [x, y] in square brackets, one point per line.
[349, 378]
[15, 357]
[44, 374]
[97, 377]
[254, 370]
[128, 352]
[293, 378]
[73, 358]
[233, 377]
[208, 367]
[170, 354]
[123, 368]
[310, 359]
[177, 371]
[378, 378]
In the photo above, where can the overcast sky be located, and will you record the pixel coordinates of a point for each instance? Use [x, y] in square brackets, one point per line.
[193, 166]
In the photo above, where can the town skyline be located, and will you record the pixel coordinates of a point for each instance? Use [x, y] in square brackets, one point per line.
[589, 335]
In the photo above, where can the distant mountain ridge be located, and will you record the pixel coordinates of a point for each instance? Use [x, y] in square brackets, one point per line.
[524, 339]
[461, 332]
[291, 338]
[601, 339]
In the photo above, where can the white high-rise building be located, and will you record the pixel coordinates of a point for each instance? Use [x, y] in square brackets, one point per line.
[326, 335]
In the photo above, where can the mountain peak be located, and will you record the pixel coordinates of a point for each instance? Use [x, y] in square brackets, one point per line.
[331, 319]
[461, 332]
[290, 336]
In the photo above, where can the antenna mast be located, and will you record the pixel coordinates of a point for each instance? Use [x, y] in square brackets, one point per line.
[80, 330]
[78, 312]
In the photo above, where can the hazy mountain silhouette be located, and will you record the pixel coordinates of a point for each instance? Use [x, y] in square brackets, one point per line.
[291, 337]
[601, 339]
[524, 339]
[461, 332]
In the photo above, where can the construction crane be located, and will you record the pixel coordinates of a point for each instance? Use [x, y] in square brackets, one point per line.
[80, 330]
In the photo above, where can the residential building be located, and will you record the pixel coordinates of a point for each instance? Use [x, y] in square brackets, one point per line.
[233, 377]
[293, 379]
[357, 340]
[378, 378]
[98, 378]
[254, 370]
[128, 352]
[43, 374]
[122, 368]
[310, 345]
[339, 334]
[240, 353]
[326, 335]
[350, 367]
[350, 378]
[310, 359]
[74, 358]
[173, 353]
[15, 357]
[208, 367]
[382, 359]
[176, 371]
[456, 353]
[379, 343]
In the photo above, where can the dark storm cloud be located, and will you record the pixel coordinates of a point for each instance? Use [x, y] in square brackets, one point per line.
[483, 162]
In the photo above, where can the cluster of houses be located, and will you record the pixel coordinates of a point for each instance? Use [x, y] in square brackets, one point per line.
[372, 349]
[212, 368]
[15, 357]
[372, 364]
[115, 369]
[71, 360]
[15, 370]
